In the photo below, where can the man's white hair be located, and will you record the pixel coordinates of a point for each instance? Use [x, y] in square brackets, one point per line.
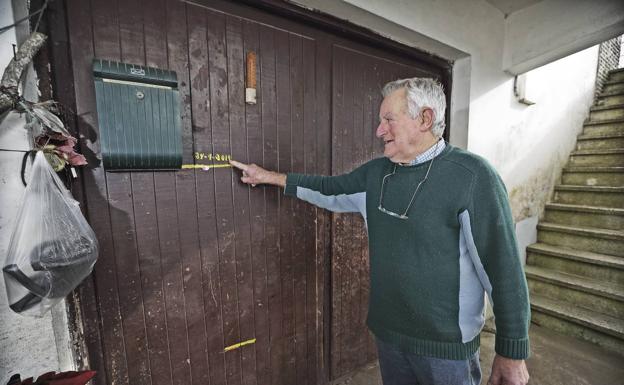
[420, 93]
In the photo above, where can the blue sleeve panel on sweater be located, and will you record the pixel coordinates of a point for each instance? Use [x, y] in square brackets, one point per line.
[344, 203]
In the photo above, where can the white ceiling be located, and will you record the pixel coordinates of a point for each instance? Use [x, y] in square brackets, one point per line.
[510, 6]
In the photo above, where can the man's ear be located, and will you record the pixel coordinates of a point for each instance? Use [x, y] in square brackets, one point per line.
[427, 116]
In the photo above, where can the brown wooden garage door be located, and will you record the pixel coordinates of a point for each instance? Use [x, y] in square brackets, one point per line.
[192, 261]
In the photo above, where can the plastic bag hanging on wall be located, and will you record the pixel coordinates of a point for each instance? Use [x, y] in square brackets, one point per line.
[52, 247]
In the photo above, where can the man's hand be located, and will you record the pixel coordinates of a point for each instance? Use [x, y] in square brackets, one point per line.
[254, 175]
[506, 371]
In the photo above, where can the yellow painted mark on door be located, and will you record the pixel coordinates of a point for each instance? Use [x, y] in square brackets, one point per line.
[238, 345]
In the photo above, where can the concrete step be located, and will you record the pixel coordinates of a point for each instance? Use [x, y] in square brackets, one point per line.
[610, 93]
[613, 86]
[593, 176]
[615, 126]
[600, 142]
[596, 196]
[610, 99]
[585, 216]
[610, 157]
[601, 329]
[617, 75]
[607, 268]
[610, 242]
[600, 113]
[601, 297]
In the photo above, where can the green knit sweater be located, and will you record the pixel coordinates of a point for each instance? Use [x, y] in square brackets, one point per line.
[429, 273]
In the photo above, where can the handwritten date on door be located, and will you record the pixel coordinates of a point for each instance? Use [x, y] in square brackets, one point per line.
[212, 157]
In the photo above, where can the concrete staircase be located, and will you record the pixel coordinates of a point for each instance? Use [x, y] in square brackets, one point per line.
[575, 270]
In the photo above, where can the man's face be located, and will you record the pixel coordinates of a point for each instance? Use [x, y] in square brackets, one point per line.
[400, 133]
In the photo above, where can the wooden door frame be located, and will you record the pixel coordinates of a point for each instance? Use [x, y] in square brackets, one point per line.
[81, 303]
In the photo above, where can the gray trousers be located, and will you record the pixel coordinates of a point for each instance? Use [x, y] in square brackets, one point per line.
[400, 368]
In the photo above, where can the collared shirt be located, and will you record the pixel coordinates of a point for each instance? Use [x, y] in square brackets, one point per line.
[431, 153]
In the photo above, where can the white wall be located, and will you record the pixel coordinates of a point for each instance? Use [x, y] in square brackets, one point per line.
[552, 29]
[27, 346]
[541, 136]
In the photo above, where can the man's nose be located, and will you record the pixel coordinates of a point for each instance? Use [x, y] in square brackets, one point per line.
[381, 130]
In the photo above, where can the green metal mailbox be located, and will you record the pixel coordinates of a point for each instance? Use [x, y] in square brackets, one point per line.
[138, 114]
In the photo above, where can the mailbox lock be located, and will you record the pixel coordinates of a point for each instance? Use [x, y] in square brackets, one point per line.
[140, 95]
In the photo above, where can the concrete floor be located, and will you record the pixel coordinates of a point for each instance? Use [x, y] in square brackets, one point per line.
[555, 360]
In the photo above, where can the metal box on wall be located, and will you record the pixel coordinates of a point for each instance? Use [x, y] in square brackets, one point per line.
[138, 115]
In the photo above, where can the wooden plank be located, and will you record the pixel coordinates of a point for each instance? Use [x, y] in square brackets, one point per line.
[323, 109]
[104, 16]
[348, 245]
[129, 279]
[268, 100]
[178, 53]
[205, 190]
[338, 223]
[159, 331]
[236, 59]
[223, 193]
[299, 253]
[356, 331]
[173, 288]
[309, 212]
[154, 35]
[362, 353]
[257, 212]
[131, 38]
[192, 276]
[283, 87]
[349, 158]
[371, 120]
[380, 78]
[151, 276]
[363, 235]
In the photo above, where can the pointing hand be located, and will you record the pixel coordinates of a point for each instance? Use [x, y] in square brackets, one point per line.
[254, 174]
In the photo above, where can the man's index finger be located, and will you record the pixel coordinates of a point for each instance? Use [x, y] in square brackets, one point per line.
[239, 165]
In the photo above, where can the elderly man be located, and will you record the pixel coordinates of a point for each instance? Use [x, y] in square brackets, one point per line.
[440, 236]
